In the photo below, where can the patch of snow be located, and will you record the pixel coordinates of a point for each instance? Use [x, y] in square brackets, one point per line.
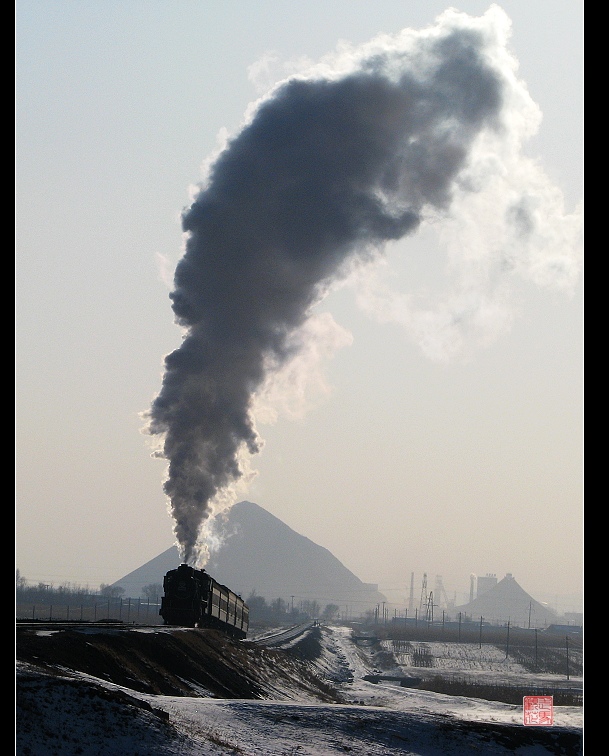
[372, 718]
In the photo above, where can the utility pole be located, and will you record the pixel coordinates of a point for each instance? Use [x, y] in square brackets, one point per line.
[430, 606]
[411, 599]
[423, 599]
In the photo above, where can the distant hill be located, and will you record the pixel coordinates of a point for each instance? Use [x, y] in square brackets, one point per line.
[506, 602]
[260, 554]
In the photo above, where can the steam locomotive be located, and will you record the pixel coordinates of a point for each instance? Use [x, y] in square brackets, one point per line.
[194, 599]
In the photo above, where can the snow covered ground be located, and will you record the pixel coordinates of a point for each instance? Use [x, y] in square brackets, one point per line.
[465, 661]
[71, 717]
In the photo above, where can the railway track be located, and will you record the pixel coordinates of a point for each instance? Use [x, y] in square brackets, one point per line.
[275, 639]
[281, 638]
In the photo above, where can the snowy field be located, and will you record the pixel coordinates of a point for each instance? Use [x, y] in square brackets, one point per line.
[373, 718]
[469, 662]
[291, 726]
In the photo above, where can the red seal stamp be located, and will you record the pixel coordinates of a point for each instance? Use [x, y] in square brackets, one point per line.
[538, 710]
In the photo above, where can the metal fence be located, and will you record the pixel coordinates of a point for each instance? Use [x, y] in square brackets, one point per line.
[138, 611]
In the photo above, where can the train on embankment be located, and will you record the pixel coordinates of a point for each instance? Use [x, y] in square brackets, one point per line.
[192, 598]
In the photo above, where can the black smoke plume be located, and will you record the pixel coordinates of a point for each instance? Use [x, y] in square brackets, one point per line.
[326, 170]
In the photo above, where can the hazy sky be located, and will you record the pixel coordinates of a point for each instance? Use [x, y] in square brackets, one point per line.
[433, 421]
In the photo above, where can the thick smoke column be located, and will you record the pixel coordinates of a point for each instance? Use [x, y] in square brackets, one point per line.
[326, 170]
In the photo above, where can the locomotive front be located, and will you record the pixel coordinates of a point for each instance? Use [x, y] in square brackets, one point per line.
[185, 599]
[194, 599]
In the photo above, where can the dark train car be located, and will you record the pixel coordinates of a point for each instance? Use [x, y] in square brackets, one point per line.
[194, 599]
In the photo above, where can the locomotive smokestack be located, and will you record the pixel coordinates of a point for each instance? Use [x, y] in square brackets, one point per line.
[328, 168]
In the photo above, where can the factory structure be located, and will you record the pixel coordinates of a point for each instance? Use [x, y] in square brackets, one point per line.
[492, 601]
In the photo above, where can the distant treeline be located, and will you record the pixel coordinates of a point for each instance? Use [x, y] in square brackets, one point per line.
[75, 594]
[68, 601]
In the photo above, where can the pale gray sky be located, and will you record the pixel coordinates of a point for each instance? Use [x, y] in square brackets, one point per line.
[445, 451]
